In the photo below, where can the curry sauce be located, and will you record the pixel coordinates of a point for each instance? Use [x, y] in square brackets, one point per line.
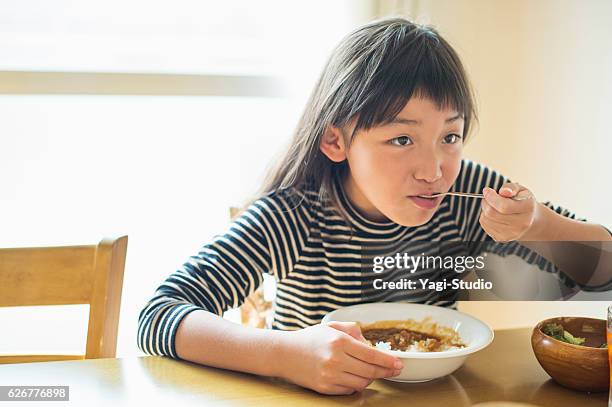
[410, 335]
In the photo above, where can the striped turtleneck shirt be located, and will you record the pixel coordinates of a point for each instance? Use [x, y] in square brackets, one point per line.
[312, 251]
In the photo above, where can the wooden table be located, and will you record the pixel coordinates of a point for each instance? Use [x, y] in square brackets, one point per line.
[505, 371]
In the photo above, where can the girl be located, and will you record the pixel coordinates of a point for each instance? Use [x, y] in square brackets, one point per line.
[386, 123]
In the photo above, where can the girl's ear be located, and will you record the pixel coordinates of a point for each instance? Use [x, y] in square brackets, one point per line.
[333, 144]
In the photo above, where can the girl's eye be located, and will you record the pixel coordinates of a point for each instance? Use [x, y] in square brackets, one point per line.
[401, 141]
[452, 138]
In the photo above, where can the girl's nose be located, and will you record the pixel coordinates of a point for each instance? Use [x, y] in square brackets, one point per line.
[428, 168]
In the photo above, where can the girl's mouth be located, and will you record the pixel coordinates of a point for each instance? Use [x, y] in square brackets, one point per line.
[425, 203]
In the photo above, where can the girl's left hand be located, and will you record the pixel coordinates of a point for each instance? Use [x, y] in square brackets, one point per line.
[506, 219]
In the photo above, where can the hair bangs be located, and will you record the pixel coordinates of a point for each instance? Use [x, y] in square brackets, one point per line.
[425, 67]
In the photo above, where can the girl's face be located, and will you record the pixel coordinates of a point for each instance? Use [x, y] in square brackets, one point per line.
[419, 153]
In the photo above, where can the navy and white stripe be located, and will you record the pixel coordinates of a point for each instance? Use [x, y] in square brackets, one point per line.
[313, 254]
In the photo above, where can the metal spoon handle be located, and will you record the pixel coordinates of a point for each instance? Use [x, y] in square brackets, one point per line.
[466, 194]
[472, 195]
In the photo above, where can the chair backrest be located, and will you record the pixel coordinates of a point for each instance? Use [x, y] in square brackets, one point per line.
[68, 275]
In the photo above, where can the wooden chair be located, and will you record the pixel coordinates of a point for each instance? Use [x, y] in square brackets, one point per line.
[255, 309]
[68, 275]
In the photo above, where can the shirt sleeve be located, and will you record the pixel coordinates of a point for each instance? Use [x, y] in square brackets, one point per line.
[474, 177]
[266, 238]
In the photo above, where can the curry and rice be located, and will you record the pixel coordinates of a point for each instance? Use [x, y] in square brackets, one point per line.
[411, 336]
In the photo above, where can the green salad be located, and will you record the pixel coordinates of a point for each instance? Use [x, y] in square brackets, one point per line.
[556, 331]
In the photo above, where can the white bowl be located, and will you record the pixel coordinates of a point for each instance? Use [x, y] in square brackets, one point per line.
[422, 366]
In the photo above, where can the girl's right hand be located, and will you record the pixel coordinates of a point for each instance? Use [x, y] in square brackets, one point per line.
[333, 359]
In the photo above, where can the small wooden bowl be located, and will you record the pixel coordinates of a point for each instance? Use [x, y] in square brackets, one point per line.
[577, 367]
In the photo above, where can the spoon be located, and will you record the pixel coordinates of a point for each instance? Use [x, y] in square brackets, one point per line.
[470, 195]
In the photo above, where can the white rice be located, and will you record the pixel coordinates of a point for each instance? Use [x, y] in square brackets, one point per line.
[383, 345]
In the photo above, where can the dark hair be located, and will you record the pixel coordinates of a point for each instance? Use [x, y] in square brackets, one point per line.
[391, 61]
[371, 75]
